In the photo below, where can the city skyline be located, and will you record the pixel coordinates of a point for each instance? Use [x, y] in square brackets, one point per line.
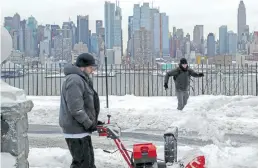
[201, 16]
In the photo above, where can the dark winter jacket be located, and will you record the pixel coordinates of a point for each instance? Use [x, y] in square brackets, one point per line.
[182, 77]
[79, 107]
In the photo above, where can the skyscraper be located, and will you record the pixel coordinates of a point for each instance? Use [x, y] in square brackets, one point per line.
[211, 49]
[142, 25]
[118, 27]
[99, 24]
[31, 37]
[15, 32]
[69, 31]
[136, 17]
[109, 24]
[223, 34]
[113, 26]
[94, 43]
[241, 20]
[83, 30]
[161, 34]
[142, 46]
[8, 23]
[16, 22]
[232, 43]
[198, 37]
[145, 20]
[22, 35]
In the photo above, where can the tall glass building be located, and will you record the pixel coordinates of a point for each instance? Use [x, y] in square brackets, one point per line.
[83, 34]
[31, 37]
[161, 34]
[113, 25]
[232, 43]
[211, 45]
[94, 43]
[223, 37]
[118, 28]
[109, 24]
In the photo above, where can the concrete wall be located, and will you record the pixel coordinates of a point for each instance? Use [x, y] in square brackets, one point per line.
[14, 119]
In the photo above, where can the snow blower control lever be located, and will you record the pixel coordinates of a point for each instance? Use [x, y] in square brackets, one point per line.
[144, 155]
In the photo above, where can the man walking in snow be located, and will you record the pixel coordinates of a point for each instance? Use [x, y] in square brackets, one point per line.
[79, 110]
[181, 76]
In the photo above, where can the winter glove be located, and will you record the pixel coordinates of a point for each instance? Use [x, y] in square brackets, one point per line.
[100, 123]
[166, 86]
[93, 128]
[87, 124]
[201, 74]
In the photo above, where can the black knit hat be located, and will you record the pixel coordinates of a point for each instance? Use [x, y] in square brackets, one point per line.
[183, 61]
[84, 60]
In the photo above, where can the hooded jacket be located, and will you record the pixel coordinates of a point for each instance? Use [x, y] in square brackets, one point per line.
[182, 77]
[79, 107]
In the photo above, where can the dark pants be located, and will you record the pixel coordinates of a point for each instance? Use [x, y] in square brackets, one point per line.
[182, 97]
[82, 152]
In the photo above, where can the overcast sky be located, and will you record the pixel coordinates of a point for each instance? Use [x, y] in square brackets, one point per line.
[182, 13]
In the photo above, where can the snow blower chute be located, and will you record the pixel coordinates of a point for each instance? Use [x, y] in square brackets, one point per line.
[144, 155]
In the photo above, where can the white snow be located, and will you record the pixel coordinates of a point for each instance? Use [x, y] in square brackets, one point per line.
[228, 157]
[211, 116]
[7, 160]
[10, 94]
[61, 158]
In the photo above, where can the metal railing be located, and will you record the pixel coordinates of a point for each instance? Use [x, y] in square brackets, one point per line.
[148, 80]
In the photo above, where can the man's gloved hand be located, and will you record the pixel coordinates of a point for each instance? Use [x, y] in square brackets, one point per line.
[166, 86]
[93, 128]
[201, 74]
[100, 123]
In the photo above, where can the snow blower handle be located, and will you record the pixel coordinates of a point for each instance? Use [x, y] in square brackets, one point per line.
[109, 116]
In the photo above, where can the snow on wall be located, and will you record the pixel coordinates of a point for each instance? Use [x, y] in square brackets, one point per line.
[7, 160]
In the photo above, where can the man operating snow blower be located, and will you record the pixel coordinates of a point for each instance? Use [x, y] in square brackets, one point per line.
[181, 76]
[79, 110]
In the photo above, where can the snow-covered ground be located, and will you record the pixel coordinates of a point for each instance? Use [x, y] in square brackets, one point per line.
[210, 116]
[228, 157]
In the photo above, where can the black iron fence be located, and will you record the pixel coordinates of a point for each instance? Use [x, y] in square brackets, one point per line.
[148, 80]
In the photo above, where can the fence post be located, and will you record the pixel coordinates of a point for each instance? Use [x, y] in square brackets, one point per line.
[148, 79]
[37, 80]
[256, 80]
[202, 81]
[106, 81]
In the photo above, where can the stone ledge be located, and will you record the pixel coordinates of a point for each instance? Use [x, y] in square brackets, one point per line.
[13, 110]
[14, 118]
[10, 94]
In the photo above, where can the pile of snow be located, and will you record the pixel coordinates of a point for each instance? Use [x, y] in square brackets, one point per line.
[7, 160]
[61, 158]
[208, 115]
[228, 157]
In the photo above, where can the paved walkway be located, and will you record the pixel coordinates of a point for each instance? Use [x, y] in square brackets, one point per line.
[51, 136]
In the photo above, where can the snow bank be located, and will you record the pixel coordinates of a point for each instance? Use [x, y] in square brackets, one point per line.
[7, 160]
[61, 158]
[228, 157]
[211, 116]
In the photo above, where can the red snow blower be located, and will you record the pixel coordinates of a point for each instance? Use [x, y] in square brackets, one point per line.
[145, 155]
